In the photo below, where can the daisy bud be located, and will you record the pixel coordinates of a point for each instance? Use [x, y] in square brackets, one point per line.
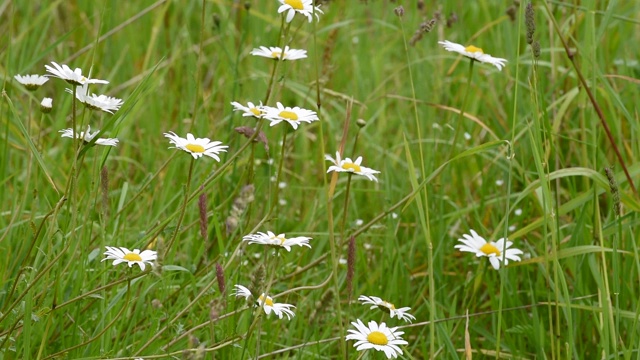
[361, 123]
[46, 105]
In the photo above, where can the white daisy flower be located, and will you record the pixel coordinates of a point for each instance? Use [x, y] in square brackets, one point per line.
[276, 53]
[378, 337]
[73, 77]
[46, 105]
[475, 243]
[304, 7]
[197, 147]
[87, 136]
[278, 241]
[350, 166]
[123, 255]
[387, 307]
[31, 82]
[265, 302]
[288, 114]
[250, 110]
[95, 102]
[474, 53]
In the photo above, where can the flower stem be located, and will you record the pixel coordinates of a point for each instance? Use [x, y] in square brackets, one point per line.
[182, 210]
[462, 109]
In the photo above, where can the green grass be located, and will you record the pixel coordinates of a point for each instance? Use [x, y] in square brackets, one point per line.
[531, 128]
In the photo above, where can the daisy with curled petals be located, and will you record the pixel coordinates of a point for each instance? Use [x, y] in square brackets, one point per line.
[292, 115]
[304, 7]
[265, 302]
[277, 241]
[250, 110]
[378, 337]
[387, 307]
[276, 53]
[474, 53]
[476, 244]
[87, 136]
[241, 291]
[124, 255]
[73, 77]
[95, 102]
[31, 82]
[197, 147]
[350, 166]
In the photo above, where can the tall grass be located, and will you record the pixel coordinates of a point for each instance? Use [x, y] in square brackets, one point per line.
[518, 153]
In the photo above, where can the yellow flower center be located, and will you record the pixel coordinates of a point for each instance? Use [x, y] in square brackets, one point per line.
[473, 49]
[289, 115]
[352, 166]
[489, 249]
[195, 148]
[389, 305]
[268, 302]
[276, 54]
[377, 338]
[296, 4]
[132, 257]
[255, 111]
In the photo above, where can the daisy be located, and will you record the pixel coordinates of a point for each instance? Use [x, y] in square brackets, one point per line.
[73, 77]
[378, 337]
[475, 243]
[277, 308]
[474, 53]
[241, 291]
[197, 147]
[303, 7]
[387, 307]
[31, 82]
[276, 53]
[87, 136]
[46, 105]
[277, 241]
[350, 166]
[95, 102]
[249, 110]
[123, 255]
[293, 115]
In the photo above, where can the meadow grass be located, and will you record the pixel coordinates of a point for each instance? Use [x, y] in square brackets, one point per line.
[460, 146]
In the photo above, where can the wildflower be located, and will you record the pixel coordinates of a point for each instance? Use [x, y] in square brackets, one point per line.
[350, 166]
[266, 302]
[46, 105]
[378, 337]
[31, 82]
[277, 241]
[475, 243]
[95, 102]
[387, 307]
[87, 136]
[288, 114]
[276, 53]
[474, 53]
[249, 110]
[73, 77]
[197, 147]
[123, 255]
[303, 7]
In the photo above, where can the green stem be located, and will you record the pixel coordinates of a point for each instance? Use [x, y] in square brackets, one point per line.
[345, 207]
[456, 135]
[182, 210]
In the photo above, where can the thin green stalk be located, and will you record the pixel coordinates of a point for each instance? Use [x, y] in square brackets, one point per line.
[183, 209]
[462, 110]
[345, 207]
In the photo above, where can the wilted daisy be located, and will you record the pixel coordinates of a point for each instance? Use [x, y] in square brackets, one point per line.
[387, 307]
[46, 105]
[31, 82]
[124, 255]
[249, 110]
[378, 337]
[266, 302]
[474, 53]
[87, 136]
[304, 7]
[274, 52]
[197, 147]
[350, 166]
[95, 102]
[475, 243]
[276, 240]
[73, 77]
[288, 114]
